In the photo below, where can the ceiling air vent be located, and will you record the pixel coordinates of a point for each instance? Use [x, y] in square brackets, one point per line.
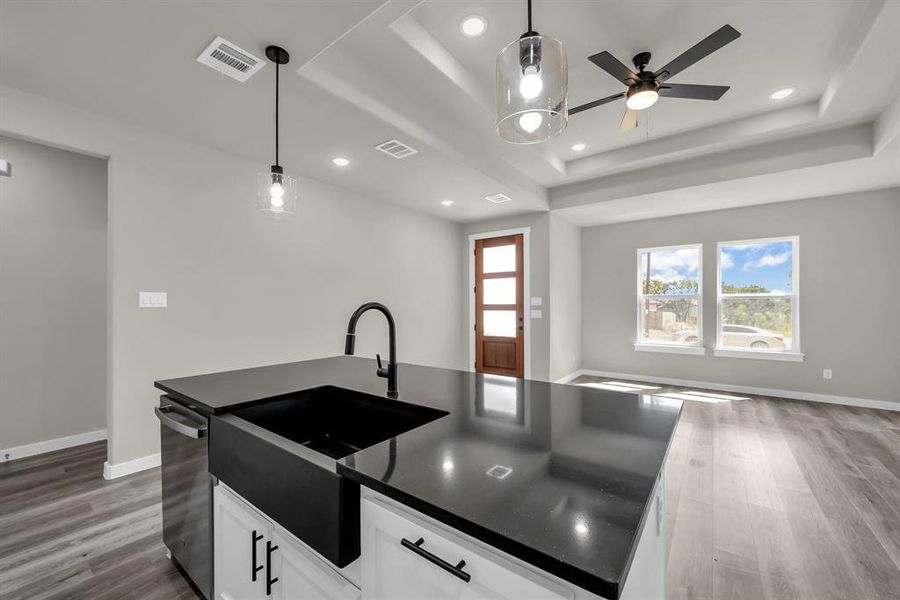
[498, 198]
[396, 149]
[228, 59]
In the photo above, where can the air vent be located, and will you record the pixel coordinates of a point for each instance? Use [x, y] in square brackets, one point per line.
[228, 59]
[396, 149]
[498, 198]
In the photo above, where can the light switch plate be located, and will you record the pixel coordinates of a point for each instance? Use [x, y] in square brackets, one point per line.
[826, 373]
[152, 299]
[537, 301]
[536, 314]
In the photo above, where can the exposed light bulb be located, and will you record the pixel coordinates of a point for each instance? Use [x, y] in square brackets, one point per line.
[276, 201]
[276, 191]
[641, 100]
[531, 121]
[531, 85]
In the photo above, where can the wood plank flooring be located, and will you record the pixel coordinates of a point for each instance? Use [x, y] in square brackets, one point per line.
[766, 499]
[65, 532]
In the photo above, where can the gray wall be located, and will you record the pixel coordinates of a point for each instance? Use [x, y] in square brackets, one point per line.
[849, 290]
[244, 289]
[52, 294]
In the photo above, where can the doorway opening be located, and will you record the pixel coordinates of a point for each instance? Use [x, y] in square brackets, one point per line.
[499, 324]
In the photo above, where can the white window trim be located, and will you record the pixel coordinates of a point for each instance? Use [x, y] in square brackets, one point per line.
[695, 348]
[794, 355]
[670, 348]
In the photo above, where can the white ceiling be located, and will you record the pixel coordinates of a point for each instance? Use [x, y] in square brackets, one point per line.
[364, 71]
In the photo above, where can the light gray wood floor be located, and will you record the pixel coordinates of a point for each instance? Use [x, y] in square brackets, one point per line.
[766, 498]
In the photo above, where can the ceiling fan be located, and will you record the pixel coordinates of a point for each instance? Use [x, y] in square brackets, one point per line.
[645, 87]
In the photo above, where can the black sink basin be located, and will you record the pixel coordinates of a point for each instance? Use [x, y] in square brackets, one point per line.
[335, 421]
[280, 455]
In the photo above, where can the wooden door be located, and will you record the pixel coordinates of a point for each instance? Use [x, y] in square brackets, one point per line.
[500, 306]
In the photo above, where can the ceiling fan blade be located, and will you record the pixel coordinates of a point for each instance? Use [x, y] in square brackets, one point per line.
[725, 35]
[599, 102]
[629, 120]
[693, 92]
[614, 67]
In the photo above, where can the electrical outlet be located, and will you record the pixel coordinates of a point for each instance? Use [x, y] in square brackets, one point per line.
[152, 299]
[826, 374]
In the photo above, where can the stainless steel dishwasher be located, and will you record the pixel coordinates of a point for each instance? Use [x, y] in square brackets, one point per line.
[186, 491]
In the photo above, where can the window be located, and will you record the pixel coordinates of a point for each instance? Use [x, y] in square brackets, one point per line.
[669, 299]
[757, 299]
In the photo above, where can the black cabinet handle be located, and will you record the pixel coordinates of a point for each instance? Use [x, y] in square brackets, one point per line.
[256, 568]
[269, 581]
[453, 570]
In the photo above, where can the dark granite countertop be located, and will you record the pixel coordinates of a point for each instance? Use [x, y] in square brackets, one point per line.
[580, 464]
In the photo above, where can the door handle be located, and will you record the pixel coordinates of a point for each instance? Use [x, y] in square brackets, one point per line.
[269, 580]
[456, 570]
[162, 413]
[256, 568]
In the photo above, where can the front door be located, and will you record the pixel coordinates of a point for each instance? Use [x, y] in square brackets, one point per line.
[499, 306]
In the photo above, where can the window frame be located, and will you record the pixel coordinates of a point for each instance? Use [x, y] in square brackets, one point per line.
[695, 348]
[792, 355]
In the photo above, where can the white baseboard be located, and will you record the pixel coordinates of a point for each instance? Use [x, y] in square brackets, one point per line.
[52, 445]
[745, 389]
[130, 466]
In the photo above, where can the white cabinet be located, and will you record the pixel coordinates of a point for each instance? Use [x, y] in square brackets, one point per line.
[391, 570]
[240, 548]
[255, 559]
[302, 576]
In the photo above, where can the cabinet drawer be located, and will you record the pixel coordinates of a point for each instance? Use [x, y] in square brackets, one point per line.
[393, 570]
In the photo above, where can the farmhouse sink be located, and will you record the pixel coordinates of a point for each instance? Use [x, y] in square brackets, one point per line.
[280, 454]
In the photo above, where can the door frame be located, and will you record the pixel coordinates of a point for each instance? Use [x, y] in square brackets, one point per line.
[526, 291]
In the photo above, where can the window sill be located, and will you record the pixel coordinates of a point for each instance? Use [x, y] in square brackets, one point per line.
[670, 348]
[759, 354]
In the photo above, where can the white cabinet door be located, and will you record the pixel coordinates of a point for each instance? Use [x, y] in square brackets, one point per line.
[304, 576]
[238, 530]
[392, 571]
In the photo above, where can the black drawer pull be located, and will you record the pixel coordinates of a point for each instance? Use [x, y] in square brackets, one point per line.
[454, 570]
[256, 568]
[269, 580]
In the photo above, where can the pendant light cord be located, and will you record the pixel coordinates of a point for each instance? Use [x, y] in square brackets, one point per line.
[529, 17]
[277, 69]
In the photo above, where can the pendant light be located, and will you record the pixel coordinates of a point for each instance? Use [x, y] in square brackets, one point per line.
[532, 88]
[276, 193]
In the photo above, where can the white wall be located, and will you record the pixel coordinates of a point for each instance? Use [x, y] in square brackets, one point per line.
[243, 289]
[565, 295]
[52, 294]
[849, 287]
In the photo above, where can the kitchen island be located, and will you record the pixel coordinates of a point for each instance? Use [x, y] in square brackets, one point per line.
[560, 486]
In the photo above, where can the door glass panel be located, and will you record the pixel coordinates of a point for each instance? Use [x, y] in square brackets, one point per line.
[499, 259]
[500, 323]
[500, 291]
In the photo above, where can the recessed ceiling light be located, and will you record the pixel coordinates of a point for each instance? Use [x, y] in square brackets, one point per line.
[579, 147]
[473, 25]
[446, 202]
[340, 161]
[782, 94]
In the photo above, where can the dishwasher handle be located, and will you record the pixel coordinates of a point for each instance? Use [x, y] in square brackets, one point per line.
[164, 414]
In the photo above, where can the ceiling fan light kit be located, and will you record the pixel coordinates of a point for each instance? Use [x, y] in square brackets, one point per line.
[532, 88]
[276, 193]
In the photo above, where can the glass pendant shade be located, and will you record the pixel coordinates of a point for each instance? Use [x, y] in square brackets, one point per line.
[532, 90]
[276, 193]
